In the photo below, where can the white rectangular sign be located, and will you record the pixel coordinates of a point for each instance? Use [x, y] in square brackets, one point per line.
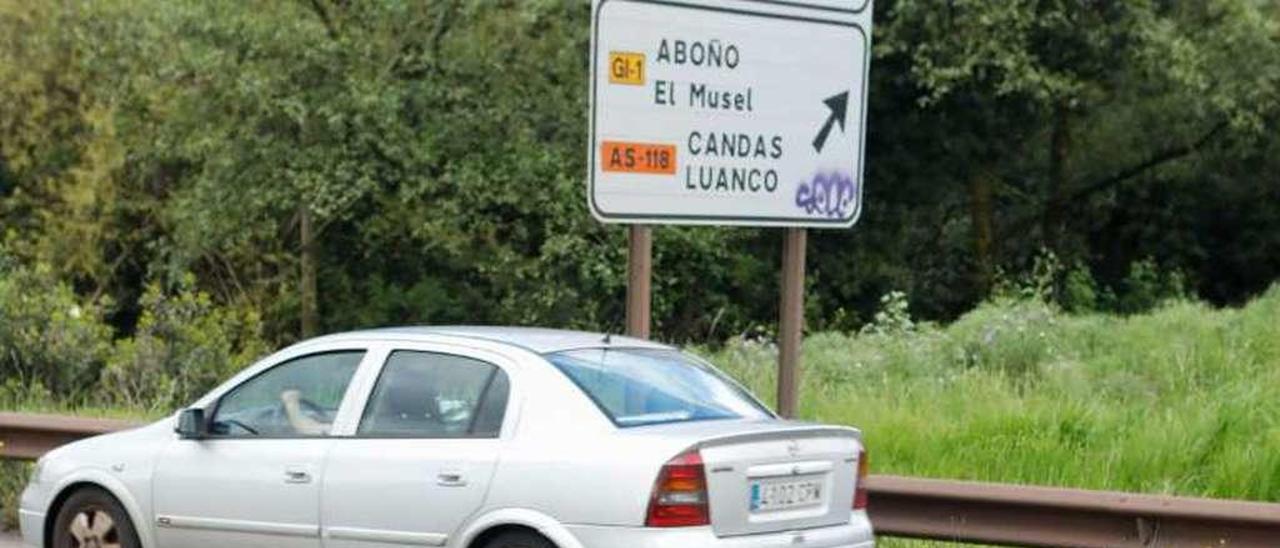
[729, 112]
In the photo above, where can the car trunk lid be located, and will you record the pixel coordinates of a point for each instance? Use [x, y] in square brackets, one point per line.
[771, 476]
[784, 478]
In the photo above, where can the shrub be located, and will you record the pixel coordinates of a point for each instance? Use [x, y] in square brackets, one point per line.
[894, 315]
[184, 346]
[1147, 287]
[1080, 292]
[48, 336]
[1011, 338]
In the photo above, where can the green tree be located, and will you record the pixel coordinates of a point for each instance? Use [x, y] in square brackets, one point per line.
[1067, 101]
[335, 164]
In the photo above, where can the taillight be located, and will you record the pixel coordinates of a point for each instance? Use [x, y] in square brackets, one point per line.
[860, 490]
[679, 497]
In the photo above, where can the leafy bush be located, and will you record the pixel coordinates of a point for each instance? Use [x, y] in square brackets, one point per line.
[56, 347]
[1080, 292]
[184, 346]
[1148, 286]
[49, 336]
[1010, 337]
[894, 315]
[1145, 287]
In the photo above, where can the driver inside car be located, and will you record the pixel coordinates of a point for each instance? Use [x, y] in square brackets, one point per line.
[303, 424]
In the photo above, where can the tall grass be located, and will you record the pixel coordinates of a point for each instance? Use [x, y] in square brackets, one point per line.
[1183, 400]
[19, 398]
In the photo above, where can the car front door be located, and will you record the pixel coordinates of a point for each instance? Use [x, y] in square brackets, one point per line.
[255, 480]
[423, 455]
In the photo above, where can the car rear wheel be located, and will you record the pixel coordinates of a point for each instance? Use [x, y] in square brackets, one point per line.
[92, 518]
[519, 539]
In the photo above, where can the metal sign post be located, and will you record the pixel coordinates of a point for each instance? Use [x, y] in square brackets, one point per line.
[791, 321]
[729, 112]
[639, 280]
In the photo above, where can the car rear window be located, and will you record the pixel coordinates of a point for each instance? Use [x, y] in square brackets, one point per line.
[637, 387]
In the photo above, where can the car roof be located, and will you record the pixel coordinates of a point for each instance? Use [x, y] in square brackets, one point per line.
[536, 339]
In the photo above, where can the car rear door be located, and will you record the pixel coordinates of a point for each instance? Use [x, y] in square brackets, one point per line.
[421, 460]
[255, 481]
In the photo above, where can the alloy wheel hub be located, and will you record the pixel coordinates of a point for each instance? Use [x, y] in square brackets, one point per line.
[94, 529]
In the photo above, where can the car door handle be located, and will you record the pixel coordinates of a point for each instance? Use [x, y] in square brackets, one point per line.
[451, 478]
[297, 476]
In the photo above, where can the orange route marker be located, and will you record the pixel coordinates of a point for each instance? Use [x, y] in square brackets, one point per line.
[646, 158]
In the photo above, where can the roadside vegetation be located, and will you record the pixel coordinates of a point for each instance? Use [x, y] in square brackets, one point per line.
[1177, 400]
[1180, 400]
[1068, 206]
[325, 165]
[13, 478]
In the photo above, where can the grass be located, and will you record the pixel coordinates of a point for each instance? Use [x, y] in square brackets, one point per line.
[1181, 400]
[17, 398]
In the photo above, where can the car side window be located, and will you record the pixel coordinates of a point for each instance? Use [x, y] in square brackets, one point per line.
[297, 398]
[433, 395]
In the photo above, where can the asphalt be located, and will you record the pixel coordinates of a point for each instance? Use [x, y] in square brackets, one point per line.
[10, 540]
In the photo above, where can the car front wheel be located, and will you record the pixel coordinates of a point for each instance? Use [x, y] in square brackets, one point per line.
[92, 518]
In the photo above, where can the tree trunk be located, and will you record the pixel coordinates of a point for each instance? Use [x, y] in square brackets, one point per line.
[1056, 203]
[981, 216]
[308, 297]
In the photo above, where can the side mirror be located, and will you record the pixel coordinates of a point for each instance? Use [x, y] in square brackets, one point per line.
[191, 424]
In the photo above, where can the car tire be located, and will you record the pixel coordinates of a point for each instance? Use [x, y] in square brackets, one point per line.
[91, 517]
[519, 539]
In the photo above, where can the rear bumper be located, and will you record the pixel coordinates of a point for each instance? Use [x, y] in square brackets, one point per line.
[855, 534]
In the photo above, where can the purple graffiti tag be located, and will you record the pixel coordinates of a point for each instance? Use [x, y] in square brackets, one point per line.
[828, 195]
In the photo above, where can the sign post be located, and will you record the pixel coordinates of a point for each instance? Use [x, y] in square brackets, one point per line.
[791, 321]
[729, 112]
[639, 280]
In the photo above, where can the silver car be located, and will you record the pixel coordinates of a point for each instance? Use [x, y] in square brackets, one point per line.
[464, 437]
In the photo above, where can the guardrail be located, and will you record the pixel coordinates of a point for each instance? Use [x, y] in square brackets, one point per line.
[989, 513]
[25, 436]
[1022, 515]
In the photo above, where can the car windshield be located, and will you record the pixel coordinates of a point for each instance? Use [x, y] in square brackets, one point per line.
[637, 387]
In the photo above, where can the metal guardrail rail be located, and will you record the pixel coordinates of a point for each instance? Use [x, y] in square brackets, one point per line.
[988, 513]
[26, 436]
[1022, 515]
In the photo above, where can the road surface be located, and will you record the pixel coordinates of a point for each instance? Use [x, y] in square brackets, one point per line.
[9, 539]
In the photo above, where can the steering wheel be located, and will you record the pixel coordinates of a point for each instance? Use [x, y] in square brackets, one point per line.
[240, 425]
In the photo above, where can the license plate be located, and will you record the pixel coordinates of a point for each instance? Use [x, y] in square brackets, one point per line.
[768, 496]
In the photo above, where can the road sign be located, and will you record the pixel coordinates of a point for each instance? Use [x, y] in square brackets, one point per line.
[734, 112]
